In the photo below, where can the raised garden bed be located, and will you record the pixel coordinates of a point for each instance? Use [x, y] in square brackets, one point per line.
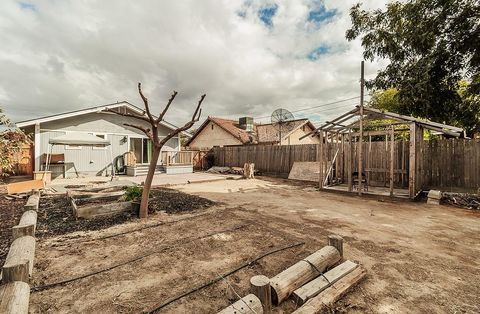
[56, 216]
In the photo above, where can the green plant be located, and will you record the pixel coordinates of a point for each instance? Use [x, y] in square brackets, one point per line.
[133, 193]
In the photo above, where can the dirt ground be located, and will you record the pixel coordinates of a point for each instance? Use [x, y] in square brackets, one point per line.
[10, 213]
[420, 258]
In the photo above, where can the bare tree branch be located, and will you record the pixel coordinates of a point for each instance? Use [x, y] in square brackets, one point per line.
[144, 130]
[145, 102]
[195, 117]
[160, 117]
[143, 118]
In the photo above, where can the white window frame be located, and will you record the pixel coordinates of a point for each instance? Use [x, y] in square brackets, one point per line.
[104, 147]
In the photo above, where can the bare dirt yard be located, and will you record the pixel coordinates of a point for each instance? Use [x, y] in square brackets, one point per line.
[420, 258]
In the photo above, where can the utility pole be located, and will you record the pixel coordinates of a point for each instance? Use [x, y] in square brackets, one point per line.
[360, 135]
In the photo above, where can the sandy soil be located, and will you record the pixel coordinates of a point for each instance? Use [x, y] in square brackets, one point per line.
[420, 258]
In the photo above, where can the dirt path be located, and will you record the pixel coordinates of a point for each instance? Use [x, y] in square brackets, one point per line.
[420, 259]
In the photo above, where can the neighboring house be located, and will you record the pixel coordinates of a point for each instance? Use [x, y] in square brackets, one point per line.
[224, 132]
[91, 160]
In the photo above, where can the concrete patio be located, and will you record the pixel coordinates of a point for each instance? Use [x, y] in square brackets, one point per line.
[61, 184]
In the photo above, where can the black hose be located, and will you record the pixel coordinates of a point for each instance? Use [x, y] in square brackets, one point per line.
[217, 279]
[62, 282]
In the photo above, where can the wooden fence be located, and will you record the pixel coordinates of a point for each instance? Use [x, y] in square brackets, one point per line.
[452, 164]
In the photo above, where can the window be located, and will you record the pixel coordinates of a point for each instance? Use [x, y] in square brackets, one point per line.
[212, 126]
[102, 136]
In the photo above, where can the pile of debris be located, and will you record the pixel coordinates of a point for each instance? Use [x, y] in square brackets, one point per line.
[463, 200]
[225, 170]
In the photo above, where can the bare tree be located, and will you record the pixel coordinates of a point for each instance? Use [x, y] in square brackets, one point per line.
[152, 134]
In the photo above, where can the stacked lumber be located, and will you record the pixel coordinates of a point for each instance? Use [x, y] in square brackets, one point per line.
[323, 301]
[319, 284]
[302, 272]
[308, 282]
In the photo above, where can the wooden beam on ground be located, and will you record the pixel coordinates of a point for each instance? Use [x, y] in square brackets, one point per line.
[302, 272]
[100, 210]
[33, 201]
[25, 186]
[14, 298]
[26, 226]
[317, 285]
[323, 301]
[19, 262]
[249, 304]
[260, 287]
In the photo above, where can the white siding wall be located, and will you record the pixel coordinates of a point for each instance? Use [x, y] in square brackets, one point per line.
[94, 160]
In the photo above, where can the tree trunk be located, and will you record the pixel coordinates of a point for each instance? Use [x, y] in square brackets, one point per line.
[148, 182]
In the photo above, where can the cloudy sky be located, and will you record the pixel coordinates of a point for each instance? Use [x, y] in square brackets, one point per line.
[249, 57]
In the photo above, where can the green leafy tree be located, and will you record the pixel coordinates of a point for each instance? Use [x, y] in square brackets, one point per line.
[11, 141]
[431, 45]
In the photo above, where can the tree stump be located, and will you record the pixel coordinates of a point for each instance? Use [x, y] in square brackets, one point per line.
[337, 242]
[248, 171]
[260, 286]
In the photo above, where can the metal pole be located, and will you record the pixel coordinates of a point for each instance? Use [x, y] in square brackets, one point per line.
[360, 138]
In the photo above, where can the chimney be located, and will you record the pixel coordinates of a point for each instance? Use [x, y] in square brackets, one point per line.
[246, 123]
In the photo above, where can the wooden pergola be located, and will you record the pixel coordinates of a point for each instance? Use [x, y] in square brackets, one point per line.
[347, 133]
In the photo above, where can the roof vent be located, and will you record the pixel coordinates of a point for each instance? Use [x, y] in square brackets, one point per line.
[246, 123]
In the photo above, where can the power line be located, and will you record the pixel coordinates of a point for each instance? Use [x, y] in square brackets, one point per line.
[318, 106]
[320, 111]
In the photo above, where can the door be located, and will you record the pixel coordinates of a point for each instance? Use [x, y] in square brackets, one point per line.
[142, 148]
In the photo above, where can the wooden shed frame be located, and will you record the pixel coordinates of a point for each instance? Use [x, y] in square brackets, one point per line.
[352, 126]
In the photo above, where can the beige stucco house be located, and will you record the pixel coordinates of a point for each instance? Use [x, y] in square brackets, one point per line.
[226, 132]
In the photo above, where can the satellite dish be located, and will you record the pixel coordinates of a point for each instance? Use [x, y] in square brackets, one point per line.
[283, 122]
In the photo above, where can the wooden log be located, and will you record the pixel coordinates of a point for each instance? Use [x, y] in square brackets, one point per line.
[100, 210]
[248, 170]
[337, 242]
[305, 270]
[14, 298]
[32, 202]
[260, 286]
[248, 304]
[26, 226]
[329, 296]
[19, 263]
[317, 285]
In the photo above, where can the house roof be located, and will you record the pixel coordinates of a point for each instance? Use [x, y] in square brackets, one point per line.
[100, 108]
[267, 133]
[262, 133]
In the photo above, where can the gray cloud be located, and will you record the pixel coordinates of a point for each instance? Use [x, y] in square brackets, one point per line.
[65, 55]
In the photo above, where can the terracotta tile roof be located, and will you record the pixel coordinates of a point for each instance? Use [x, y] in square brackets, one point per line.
[232, 127]
[262, 133]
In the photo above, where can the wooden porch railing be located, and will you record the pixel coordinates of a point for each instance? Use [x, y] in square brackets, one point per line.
[177, 158]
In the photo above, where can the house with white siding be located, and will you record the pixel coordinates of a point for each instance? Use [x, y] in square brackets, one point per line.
[97, 160]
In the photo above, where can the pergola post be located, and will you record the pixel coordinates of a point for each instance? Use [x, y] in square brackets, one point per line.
[392, 155]
[320, 161]
[349, 161]
[415, 159]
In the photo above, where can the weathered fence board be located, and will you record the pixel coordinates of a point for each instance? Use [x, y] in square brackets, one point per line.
[447, 164]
